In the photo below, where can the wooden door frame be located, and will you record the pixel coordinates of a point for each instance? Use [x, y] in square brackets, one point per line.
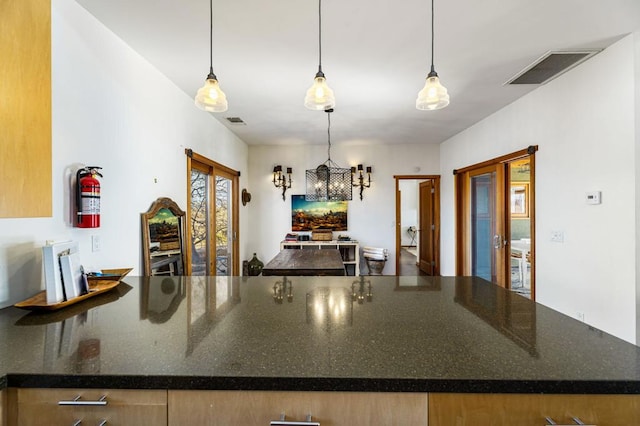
[235, 214]
[436, 217]
[462, 215]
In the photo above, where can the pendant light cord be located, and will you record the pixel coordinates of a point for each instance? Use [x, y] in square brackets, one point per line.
[211, 36]
[320, 36]
[432, 34]
[329, 136]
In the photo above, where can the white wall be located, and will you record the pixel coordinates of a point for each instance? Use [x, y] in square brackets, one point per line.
[636, 72]
[583, 123]
[111, 108]
[371, 221]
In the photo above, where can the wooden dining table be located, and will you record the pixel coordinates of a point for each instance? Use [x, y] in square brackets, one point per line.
[303, 262]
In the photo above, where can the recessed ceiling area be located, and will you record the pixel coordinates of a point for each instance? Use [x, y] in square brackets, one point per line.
[375, 55]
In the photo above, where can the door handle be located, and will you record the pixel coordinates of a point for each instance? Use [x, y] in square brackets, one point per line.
[497, 242]
[284, 422]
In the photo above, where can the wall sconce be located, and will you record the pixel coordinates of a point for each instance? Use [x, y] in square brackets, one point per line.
[280, 180]
[360, 179]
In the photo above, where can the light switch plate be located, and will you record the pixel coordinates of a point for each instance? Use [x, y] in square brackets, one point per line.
[593, 197]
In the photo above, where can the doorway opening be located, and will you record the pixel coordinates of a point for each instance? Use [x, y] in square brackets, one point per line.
[495, 221]
[417, 225]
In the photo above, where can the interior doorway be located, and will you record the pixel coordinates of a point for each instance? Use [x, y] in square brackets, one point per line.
[417, 225]
[495, 221]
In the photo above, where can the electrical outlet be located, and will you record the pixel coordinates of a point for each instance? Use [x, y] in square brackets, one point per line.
[580, 316]
[557, 236]
[95, 243]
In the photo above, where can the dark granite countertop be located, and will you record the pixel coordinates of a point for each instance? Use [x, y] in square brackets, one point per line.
[404, 334]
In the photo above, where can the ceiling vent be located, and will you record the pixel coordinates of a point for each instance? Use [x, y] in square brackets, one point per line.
[551, 65]
[235, 120]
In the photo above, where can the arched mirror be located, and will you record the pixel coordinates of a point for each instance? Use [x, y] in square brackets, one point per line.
[163, 238]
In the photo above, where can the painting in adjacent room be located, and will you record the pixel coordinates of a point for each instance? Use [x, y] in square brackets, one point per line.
[314, 215]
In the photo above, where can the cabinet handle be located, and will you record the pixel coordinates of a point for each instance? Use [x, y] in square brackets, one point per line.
[576, 421]
[77, 401]
[284, 422]
[102, 423]
[77, 423]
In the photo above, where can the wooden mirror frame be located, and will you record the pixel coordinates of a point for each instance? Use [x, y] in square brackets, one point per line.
[156, 206]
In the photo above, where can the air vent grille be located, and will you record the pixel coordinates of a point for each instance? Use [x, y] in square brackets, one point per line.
[235, 120]
[550, 66]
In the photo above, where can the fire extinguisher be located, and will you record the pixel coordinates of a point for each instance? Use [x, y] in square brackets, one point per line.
[88, 197]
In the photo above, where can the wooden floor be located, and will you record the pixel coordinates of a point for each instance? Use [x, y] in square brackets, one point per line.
[408, 265]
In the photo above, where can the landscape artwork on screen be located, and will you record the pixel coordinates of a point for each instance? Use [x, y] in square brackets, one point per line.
[315, 215]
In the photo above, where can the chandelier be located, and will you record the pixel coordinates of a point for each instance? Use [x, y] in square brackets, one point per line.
[328, 181]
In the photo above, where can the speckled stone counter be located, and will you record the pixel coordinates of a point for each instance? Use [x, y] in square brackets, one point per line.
[400, 334]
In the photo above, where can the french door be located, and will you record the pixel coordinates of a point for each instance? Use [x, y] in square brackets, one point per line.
[213, 218]
[495, 221]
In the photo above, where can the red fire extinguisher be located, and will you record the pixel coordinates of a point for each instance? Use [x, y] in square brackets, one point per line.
[88, 197]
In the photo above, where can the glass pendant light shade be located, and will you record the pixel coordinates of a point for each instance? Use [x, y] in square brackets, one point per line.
[210, 98]
[433, 95]
[319, 96]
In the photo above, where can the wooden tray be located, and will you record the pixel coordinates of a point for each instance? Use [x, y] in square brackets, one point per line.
[96, 286]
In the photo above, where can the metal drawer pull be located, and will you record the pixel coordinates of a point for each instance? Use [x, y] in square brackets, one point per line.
[76, 401]
[284, 422]
[576, 420]
[77, 423]
[103, 423]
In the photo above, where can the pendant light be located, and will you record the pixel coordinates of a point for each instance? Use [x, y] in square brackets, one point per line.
[210, 97]
[328, 181]
[434, 95]
[319, 96]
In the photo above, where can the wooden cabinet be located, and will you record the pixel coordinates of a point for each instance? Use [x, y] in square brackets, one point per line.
[349, 250]
[3, 404]
[328, 408]
[532, 409]
[25, 109]
[24, 407]
[95, 406]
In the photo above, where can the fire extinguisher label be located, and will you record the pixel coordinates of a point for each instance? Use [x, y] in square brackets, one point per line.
[90, 203]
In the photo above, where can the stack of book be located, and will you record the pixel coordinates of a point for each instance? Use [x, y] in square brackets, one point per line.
[292, 236]
[64, 277]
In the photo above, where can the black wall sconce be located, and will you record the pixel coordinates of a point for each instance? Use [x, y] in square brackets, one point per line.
[359, 180]
[280, 180]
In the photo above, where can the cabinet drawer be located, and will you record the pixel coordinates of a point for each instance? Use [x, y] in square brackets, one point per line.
[123, 407]
[327, 408]
[531, 410]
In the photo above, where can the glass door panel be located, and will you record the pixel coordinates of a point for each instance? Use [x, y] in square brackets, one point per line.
[520, 208]
[483, 225]
[224, 228]
[200, 223]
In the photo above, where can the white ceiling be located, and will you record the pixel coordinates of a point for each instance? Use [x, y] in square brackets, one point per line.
[375, 54]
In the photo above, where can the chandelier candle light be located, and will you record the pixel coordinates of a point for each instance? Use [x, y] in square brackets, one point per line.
[319, 96]
[210, 97]
[434, 95]
[280, 180]
[361, 183]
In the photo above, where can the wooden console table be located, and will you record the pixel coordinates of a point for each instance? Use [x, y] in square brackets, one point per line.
[305, 263]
